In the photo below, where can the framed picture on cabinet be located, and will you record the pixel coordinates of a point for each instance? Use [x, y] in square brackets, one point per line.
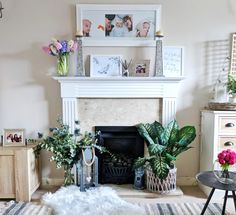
[118, 25]
[105, 65]
[14, 137]
[140, 68]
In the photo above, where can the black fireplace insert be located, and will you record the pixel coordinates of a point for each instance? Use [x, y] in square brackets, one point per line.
[125, 144]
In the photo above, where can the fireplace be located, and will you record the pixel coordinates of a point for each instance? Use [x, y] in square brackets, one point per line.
[126, 145]
[73, 88]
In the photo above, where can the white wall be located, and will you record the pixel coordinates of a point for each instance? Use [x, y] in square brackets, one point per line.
[30, 99]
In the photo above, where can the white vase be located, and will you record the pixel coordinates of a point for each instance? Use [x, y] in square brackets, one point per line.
[232, 98]
[126, 73]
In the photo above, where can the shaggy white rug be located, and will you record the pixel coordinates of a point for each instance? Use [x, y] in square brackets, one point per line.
[97, 201]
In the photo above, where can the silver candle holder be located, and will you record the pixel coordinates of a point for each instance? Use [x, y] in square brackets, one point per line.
[79, 57]
[159, 58]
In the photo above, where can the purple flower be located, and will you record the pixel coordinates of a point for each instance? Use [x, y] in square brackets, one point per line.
[58, 48]
[64, 46]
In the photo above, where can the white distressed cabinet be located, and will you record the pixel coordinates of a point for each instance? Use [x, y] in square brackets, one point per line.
[19, 173]
[218, 132]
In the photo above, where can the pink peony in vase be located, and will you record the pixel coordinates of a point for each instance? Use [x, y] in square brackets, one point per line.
[226, 160]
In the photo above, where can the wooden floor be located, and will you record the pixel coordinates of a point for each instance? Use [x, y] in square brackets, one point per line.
[183, 194]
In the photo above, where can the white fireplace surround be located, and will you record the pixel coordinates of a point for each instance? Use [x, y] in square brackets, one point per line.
[74, 88]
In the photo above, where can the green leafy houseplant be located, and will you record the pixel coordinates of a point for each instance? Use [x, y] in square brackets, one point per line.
[66, 147]
[231, 85]
[164, 145]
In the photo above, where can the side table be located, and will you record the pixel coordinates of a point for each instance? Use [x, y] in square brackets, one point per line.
[208, 179]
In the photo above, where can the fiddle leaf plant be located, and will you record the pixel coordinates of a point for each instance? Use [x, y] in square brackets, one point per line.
[164, 145]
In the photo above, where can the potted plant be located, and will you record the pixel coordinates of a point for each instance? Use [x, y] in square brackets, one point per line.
[164, 145]
[66, 147]
[231, 88]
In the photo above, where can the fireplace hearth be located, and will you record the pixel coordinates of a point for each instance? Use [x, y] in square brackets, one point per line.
[125, 144]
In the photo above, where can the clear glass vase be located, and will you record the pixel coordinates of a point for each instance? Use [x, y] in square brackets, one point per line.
[68, 176]
[224, 175]
[63, 65]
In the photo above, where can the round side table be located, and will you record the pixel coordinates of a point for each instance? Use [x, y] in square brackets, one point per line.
[208, 179]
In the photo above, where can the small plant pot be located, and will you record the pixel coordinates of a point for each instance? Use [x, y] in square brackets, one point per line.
[155, 184]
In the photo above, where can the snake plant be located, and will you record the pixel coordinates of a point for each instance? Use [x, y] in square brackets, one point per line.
[164, 145]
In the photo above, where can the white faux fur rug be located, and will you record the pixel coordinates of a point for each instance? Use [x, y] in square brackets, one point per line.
[97, 201]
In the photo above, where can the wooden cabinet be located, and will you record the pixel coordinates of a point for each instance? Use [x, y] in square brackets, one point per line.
[19, 173]
[218, 132]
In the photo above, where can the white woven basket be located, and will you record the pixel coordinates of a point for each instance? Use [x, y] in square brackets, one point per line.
[154, 184]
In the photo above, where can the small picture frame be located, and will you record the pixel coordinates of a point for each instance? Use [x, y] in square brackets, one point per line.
[14, 137]
[105, 65]
[140, 68]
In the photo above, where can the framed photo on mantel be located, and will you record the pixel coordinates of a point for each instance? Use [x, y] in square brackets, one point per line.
[140, 68]
[173, 61]
[105, 65]
[118, 25]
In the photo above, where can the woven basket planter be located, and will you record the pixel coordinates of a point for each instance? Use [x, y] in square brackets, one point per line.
[154, 184]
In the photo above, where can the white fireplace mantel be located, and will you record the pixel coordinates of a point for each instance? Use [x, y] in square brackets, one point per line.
[73, 88]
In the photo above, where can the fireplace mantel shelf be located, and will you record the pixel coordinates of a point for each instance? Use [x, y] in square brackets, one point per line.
[126, 79]
[118, 87]
[74, 88]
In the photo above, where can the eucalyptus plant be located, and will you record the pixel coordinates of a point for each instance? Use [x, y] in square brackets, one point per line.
[66, 147]
[164, 145]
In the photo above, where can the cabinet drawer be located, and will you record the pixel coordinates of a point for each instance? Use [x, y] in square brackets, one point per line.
[227, 124]
[227, 143]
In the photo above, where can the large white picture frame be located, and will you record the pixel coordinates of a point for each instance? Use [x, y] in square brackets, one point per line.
[105, 65]
[118, 25]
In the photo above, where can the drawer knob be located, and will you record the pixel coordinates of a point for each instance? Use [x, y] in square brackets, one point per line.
[230, 124]
[228, 143]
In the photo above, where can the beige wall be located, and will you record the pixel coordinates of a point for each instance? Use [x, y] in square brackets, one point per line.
[30, 99]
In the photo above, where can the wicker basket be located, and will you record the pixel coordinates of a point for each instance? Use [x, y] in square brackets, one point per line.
[222, 106]
[154, 184]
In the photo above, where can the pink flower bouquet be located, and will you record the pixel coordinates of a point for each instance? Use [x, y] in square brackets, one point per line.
[61, 49]
[226, 158]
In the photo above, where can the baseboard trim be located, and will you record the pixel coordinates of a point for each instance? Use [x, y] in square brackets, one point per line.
[186, 181]
[52, 181]
[181, 181]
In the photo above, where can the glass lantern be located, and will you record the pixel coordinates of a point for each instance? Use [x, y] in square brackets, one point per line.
[87, 169]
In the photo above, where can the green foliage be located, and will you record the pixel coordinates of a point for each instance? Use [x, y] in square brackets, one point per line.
[164, 145]
[61, 143]
[66, 147]
[231, 85]
[90, 140]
